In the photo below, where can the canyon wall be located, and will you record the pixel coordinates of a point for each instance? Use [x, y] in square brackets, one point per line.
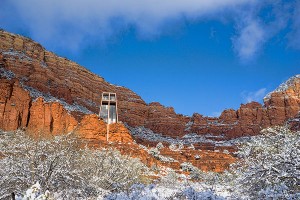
[40, 118]
[47, 95]
[25, 64]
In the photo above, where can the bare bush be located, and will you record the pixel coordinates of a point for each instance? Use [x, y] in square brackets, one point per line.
[59, 165]
[269, 166]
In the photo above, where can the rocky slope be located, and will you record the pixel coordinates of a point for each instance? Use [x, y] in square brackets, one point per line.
[46, 119]
[43, 73]
[48, 95]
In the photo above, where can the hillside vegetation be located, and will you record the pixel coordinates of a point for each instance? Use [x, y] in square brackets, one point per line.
[268, 168]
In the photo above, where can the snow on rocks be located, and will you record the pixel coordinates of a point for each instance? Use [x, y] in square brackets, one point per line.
[284, 86]
[49, 98]
[35, 193]
[6, 73]
[17, 54]
[188, 139]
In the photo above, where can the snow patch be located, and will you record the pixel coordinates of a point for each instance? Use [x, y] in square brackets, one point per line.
[17, 54]
[88, 102]
[156, 153]
[49, 98]
[6, 73]
[132, 99]
[188, 139]
[165, 192]
[43, 64]
[22, 56]
[188, 126]
[118, 86]
[284, 86]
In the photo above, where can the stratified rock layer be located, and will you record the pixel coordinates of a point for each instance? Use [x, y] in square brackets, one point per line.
[43, 73]
[49, 95]
[47, 119]
[64, 79]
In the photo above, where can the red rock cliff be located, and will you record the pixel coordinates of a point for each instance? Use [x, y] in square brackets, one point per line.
[50, 95]
[43, 73]
[14, 105]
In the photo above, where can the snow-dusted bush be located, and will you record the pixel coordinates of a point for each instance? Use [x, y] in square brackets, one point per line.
[159, 146]
[60, 166]
[173, 147]
[180, 146]
[166, 159]
[269, 166]
[171, 179]
[195, 173]
[137, 191]
[176, 147]
[157, 192]
[154, 152]
[110, 170]
[186, 166]
[35, 193]
[191, 193]
[226, 151]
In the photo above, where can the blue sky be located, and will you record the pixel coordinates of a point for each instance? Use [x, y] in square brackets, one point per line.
[218, 53]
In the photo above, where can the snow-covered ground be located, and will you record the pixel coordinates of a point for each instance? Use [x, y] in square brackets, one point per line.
[188, 139]
[268, 168]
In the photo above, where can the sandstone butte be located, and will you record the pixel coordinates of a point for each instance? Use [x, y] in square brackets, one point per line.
[47, 94]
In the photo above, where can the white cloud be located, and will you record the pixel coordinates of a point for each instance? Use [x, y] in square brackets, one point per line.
[294, 36]
[254, 96]
[250, 39]
[255, 28]
[73, 21]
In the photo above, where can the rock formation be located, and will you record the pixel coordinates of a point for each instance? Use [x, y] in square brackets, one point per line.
[43, 73]
[49, 95]
[49, 118]
[14, 105]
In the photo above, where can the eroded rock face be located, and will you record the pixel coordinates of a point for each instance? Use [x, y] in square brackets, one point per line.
[294, 123]
[284, 102]
[14, 105]
[162, 119]
[93, 129]
[119, 133]
[43, 119]
[64, 79]
[44, 73]
[251, 118]
[49, 95]
[204, 160]
[49, 118]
